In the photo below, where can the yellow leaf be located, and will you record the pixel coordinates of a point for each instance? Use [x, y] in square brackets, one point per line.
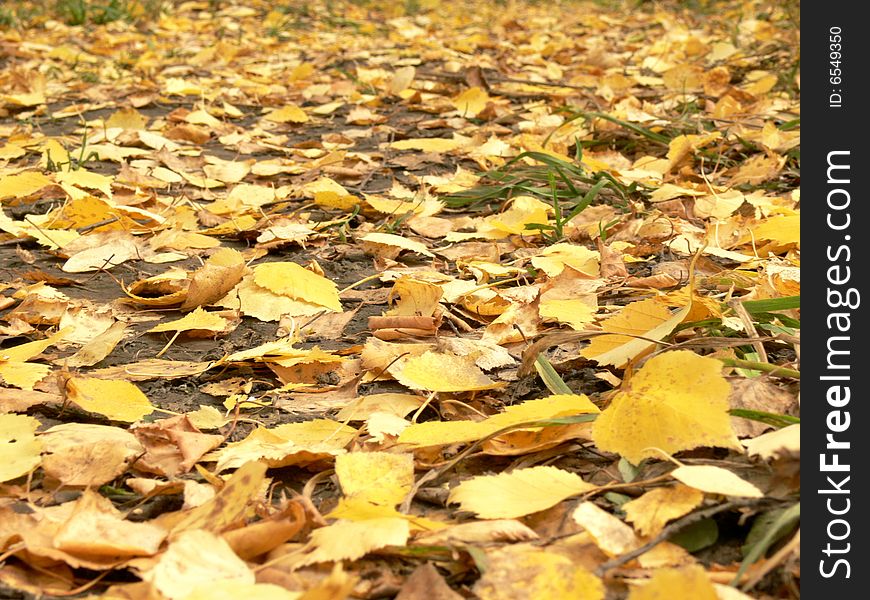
[437, 145]
[518, 493]
[524, 210]
[377, 477]
[294, 281]
[23, 184]
[683, 145]
[15, 371]
[716, 480]
[614, 537]
[551, 407]
[667, 584]
[575, 312]
[429, 372]
[553, 259]
[127, 118]
[526, 572]
[217, 276]
[649, 318]
[435, 433]
[290, 444]
[116, 399]
[350, 540]
[98, 348]
[361, 408]
[19, 448]
[471, 102]
[651, 512]
[683, 78]
[175, 86]
[22, 375]
[287, 114]
[199, 319]
[415, 297]
[783, 229]
[233, 589]
[85, 179]
[193, 559]
[677, 401]
[389, 239]
[207, 417]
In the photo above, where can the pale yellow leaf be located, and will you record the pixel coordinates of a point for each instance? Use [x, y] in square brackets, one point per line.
[715, 480]
[518, 493]
[361, 408]
[98, 348]
[785, 441]
[437, 145]
[85, 454]
[195, 558]
[389, 239]
[575, 312]
[290, 444]
[22, 375]
[551, 407]
[19, 447]
[402, 78]
[677, 401]
[97, 529]
[234, 589]
[207, 417]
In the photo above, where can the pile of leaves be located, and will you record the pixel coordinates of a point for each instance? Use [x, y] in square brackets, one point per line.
[354, 299]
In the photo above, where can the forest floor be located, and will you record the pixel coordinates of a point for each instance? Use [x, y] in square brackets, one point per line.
[351, 299]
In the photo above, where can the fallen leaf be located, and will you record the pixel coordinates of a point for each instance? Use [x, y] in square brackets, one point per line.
[193, 559]
[118, 400]
[516, 573]
[687, 582]
[19, 447]
[294, 281]
[650, 319]
[677, 401]
[651, 512]
[87, 455]
[517, 493]
[716, 480]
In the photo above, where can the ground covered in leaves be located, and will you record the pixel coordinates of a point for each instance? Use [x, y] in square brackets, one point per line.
[353, 299]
